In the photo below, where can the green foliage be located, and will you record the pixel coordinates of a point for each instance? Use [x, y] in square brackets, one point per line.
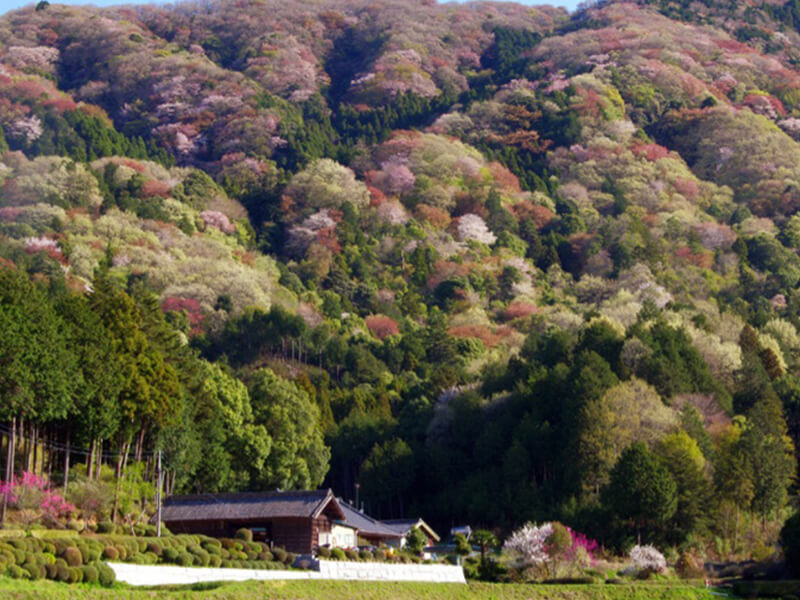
[641, 491]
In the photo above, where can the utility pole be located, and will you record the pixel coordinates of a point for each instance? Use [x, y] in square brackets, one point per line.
[12, 442]
[158, 496]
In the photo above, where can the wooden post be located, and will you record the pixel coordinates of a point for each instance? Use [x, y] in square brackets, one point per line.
[158, 497]
[66, 463]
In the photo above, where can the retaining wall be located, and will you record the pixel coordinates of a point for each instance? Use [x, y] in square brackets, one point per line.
[324, 569]
[378, 571]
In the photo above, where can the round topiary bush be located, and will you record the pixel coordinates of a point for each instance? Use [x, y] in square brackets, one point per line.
[106, 575]
[52, 571]
[365, 555]
[111, 553]
[155, 548]
[290, 558]
[266, 556]
[123, 552]
[185, 559]
[105, 527]
[35, 571]
[18, 572]
[279, 554]
[380, 555]
[90, 574]
[244, 534]
[170, 555]
[351, 554]
[73, 557]
[324, 553]
[63, 573]
[214, 560]
[75, 575]
[338, 554]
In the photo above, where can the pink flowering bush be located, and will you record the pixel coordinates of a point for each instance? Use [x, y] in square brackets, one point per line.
[218, 220]
[35, 500]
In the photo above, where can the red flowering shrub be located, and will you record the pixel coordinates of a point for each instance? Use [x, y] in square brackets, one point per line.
[382, 326]
[153, 187]
[519, 310]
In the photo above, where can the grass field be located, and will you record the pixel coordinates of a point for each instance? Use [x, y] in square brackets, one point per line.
[11, 589]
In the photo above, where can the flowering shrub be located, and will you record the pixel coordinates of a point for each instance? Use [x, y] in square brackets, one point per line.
[382, 326]
[32, 496]
[529, 543]
[582, 544]
[218, 220]
[647, 558]
[550, 547]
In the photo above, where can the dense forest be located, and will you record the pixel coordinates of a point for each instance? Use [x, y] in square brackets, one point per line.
[491, 263]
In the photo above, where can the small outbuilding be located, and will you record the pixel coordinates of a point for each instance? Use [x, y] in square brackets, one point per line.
[298, 521]
[374, 531]
[404, 527]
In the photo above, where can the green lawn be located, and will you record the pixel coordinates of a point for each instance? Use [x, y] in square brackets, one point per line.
[341, 590]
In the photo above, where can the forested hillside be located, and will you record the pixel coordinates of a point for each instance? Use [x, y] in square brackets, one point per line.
[491, 262]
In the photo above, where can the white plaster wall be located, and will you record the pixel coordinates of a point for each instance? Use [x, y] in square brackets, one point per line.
[377, 571]
[175, 575]
[327, 569]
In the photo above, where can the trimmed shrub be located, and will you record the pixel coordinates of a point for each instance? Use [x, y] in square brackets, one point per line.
[266, 556]
[106, 575]
[324, 552]
[111, 553]
[52, 571]
[365, 555]
[75, 575]
[105, 527]
[279, 554]
[185, 559]
[63, 573]
[170, 555]
[290, 558]
[35, 571]
[90, 574]
[380, 555]
[338, 554]
[214, 560]
[244, 534]
[155, 548]
[73, 557]
[351, 554]
[18, 572]
[84, 549]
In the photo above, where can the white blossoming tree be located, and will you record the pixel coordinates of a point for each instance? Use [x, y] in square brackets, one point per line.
[528, 544]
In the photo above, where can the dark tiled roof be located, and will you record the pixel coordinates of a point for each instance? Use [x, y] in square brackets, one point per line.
[365, 524]
[249, 505]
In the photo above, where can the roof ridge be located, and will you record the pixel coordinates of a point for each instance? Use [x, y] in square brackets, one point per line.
[249, 494]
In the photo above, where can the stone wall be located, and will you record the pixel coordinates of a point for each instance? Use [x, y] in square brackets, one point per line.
[324, 569]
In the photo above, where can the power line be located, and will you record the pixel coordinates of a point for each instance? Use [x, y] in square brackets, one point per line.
[72, 450]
